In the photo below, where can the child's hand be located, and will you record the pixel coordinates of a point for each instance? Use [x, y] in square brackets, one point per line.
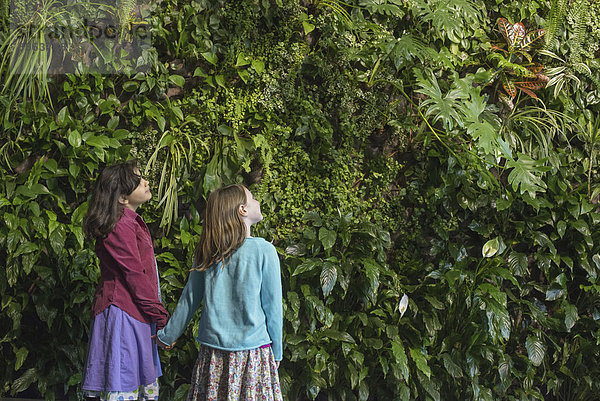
[162, 345]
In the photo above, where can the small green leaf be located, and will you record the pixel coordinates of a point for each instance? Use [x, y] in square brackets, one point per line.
[308, 27]
[130, 86]
[112, 123]
[160, 120]
[181, 392]
[77, 215]
[61, 118]
[198, 72]
[178, 113]
[210, 57]
[212, 179]
[363, 391]
[177, 80]
[242, 60]
[74, 138]
[51, 165]
[490, 248]
[21, 355]
[561, 227]
[244, 75]
[75, 379]
[220, 80]
[258, 66]
[74, 169]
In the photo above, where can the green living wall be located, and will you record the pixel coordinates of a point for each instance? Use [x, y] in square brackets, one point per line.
[427, 169]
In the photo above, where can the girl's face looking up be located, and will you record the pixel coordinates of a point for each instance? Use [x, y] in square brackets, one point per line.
[139, 195]
[251, 210]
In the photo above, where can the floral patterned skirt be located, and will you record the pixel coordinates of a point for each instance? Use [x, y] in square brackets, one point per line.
[235, 376]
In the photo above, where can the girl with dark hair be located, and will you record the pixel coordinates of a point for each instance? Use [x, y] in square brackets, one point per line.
[237, 279]
[122, 360]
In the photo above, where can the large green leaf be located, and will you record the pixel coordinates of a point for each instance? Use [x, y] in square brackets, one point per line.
[526, 175]
[327, 237]
[451, 367]
[571, 315]
[401, 359]
[420, 360]
[24, 381]
[536, 350]
[328, 278]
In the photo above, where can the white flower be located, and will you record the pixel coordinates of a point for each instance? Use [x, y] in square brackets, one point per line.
[403, 305]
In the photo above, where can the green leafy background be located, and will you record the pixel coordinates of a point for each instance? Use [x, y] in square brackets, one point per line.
[437, 241]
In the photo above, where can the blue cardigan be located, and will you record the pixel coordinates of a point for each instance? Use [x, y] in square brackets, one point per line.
[242, 302]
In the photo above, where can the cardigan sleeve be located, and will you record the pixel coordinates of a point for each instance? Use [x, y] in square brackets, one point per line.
[186, 308]
[272, 301]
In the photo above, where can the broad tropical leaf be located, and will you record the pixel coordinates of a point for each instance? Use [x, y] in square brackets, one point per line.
[507, 30]
[535, 350]
[531, 37]
[421, 361]
[519, 34]
[328, 278]
[526, 175]
[509, 87]
[527, 91]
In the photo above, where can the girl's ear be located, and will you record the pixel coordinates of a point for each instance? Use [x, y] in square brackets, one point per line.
[242, 210]
[123, 200]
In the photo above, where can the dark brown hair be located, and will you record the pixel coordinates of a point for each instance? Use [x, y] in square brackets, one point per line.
[224, 230]
[105, 210]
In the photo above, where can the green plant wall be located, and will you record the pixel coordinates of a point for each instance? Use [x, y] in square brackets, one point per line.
[437, 237]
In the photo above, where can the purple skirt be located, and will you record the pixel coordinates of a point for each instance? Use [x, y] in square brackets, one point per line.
[121, 354]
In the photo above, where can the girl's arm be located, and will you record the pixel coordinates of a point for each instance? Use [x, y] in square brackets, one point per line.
[122, 245]
[272, 301]
[186, 308]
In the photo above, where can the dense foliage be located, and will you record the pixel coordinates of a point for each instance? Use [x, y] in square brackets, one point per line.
[427, 169]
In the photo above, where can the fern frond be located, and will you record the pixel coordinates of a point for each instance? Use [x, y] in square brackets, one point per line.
[579, 15]
[585, 70]
[558, 11]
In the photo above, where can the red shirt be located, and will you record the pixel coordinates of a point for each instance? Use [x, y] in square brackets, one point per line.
[128, 275]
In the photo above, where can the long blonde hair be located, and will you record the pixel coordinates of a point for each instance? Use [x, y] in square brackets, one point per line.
[224, 230]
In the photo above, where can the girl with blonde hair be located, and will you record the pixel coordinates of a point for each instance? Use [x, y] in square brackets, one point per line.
[237, 279]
